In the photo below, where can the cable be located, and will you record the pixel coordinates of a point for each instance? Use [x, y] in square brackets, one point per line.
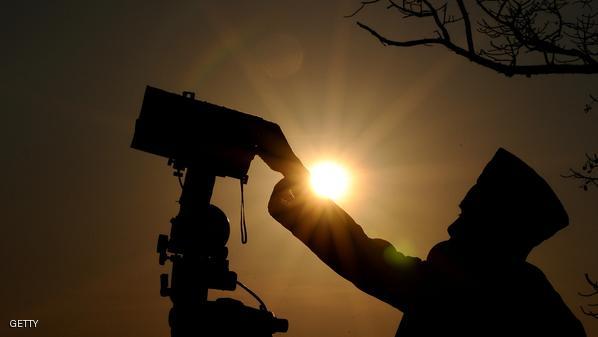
[262, 304]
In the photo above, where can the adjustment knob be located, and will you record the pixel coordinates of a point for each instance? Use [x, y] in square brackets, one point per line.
[161, 248]
[164, 290]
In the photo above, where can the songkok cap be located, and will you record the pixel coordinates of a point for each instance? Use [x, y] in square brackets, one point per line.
[515, 202]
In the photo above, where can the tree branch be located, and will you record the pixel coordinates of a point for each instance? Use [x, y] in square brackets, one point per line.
[586, 176]
[589, 312]
[363, 4]
[409, 43]
[440, 24]
[508, 70]
[590, 105]
[594, 285]
[513, 30]
[467, 24]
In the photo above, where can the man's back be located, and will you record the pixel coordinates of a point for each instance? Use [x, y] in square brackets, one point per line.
[464, 294]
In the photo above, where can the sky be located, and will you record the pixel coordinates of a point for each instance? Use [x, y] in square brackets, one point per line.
[82, 210]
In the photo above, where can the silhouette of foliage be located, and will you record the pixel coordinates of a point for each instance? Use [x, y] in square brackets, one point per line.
[594, 285]
[590, 105]
[525, 37]
[511, 37]
[587, 174]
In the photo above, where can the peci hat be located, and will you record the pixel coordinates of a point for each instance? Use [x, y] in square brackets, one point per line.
[513, 200]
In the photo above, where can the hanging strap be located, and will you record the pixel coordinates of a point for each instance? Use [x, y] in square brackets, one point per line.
[243, 223]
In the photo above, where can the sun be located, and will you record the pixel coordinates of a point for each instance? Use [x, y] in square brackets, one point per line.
[329, 180]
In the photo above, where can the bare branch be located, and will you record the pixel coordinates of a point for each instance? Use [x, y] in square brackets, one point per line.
[440, 24]
[588, 107]
[528, 38]
[467, 24]
[409, 43]
[593, 284]
[508, 70]
[363, 4]
[589, 312]
[587, 177]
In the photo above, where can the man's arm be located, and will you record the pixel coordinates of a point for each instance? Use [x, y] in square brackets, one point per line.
[373, 265]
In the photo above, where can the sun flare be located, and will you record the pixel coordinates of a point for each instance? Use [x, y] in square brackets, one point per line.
[329, 180]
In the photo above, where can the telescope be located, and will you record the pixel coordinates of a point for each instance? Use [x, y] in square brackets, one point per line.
[202, 140]
[196, 133]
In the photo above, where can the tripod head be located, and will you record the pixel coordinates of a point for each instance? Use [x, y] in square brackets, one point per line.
[201, 141]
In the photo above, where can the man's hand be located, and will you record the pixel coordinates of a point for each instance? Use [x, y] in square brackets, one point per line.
[276, 152]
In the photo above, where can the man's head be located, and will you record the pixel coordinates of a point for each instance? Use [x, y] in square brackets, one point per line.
[509, 207]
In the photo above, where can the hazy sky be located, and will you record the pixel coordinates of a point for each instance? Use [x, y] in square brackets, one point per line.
[82, 211]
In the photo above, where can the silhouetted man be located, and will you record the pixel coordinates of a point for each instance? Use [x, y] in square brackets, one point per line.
[477, 283]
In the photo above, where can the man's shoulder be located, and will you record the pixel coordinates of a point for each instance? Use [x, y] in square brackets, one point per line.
[445, 252]
[533, 270]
